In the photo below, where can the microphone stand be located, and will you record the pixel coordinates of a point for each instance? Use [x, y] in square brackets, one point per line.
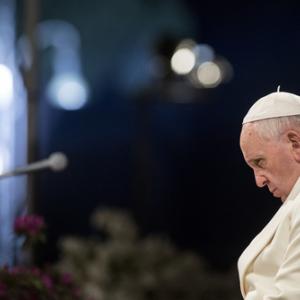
[56, 162]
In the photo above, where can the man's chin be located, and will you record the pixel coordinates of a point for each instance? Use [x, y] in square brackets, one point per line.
[283, 198]
[276, 194]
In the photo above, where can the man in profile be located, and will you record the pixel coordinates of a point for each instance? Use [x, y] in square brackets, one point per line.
[269, 268]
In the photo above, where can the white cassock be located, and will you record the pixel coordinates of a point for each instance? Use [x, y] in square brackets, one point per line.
[269, 268]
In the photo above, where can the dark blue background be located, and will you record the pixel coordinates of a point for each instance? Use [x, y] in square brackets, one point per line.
[177, 167]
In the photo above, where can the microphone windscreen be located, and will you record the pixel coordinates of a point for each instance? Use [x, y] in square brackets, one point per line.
[58, 161]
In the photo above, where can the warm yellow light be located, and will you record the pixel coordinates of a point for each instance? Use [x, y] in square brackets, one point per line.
[209, 74]
[183, 61]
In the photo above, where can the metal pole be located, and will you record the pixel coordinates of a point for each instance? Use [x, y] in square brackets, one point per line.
[31, 15]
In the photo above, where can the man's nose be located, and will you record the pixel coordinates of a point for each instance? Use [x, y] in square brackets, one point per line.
[260, 180]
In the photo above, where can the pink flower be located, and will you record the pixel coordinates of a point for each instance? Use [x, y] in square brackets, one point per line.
[31, 226]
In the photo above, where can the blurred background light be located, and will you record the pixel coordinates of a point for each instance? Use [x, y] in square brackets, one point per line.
[6, 90]
[209, 74]
[199, 64]
[68, 91]
[183, 61]
[67, 88]
[58, 33]
[204, 53]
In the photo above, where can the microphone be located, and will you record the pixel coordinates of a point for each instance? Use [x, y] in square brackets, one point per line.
[57, 161]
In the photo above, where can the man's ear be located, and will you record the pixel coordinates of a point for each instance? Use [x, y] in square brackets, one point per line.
[294, 140]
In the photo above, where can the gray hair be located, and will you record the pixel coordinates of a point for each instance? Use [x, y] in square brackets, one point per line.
[274, 127]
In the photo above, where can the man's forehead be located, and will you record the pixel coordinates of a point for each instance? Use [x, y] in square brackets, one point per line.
[248, 131]
[252, 144]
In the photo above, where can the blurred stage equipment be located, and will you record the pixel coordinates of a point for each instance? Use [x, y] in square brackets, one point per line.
[67, 88]
[18, 105]
[56, 162]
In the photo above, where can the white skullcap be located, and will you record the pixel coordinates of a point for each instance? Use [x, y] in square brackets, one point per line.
[274, 105]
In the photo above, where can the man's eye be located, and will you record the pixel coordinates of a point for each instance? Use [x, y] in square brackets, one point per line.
[259, 163]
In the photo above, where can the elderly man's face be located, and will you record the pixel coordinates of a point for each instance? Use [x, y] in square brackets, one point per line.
[272, 161]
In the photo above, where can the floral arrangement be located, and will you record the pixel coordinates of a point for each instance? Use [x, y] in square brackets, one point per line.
[32, 283]
[119, 265]
[32, 227]
[116, 264]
